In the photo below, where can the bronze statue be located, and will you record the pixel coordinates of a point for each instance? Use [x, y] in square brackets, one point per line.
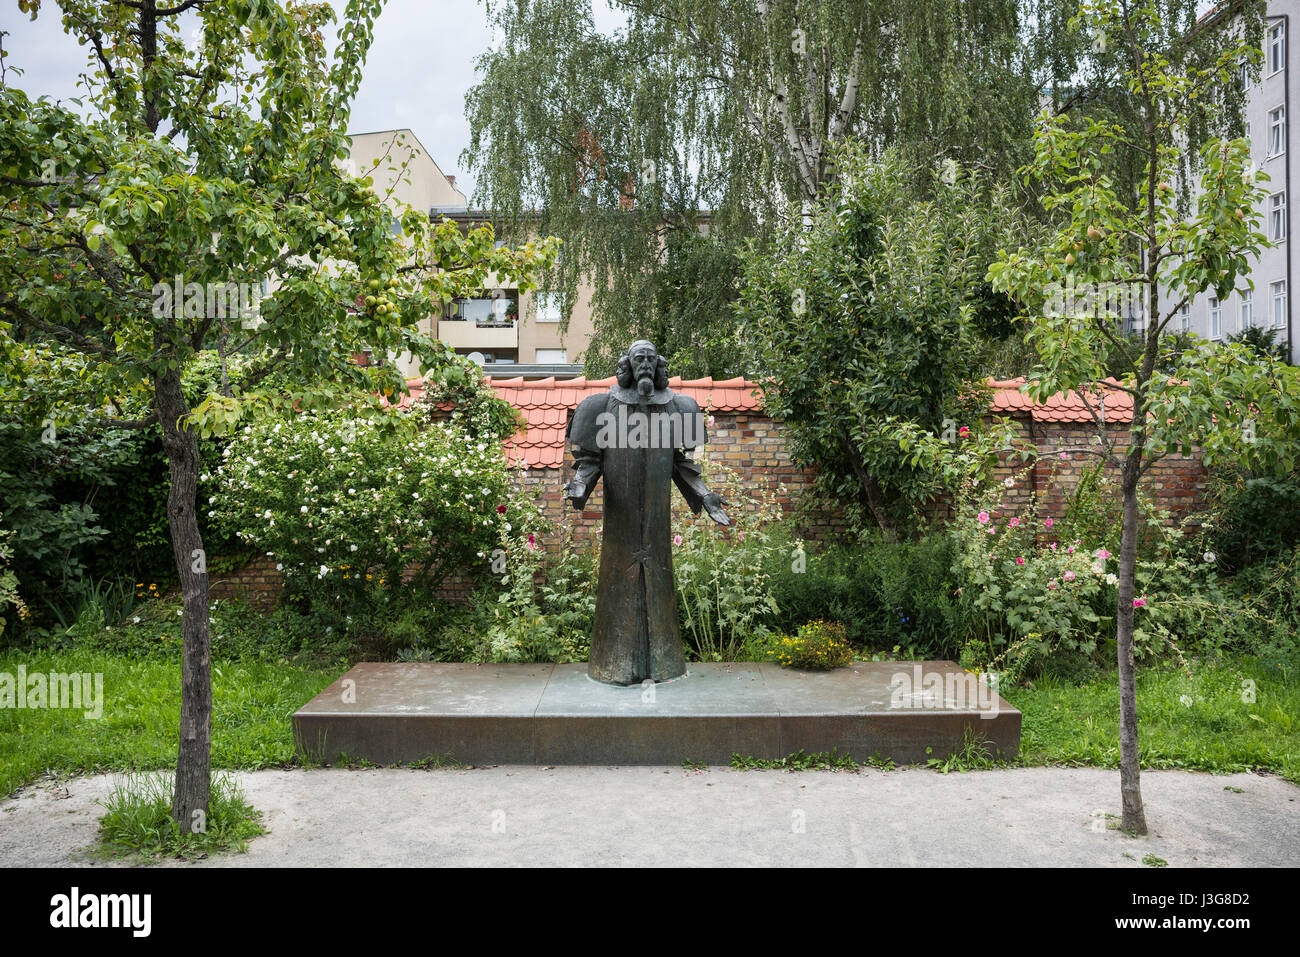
[638, 436]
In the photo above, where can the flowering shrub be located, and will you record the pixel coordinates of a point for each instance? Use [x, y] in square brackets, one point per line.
[352, 506]
[1028, 599]
[819, 646]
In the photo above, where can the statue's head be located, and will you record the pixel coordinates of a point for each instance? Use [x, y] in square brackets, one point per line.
[643, 367]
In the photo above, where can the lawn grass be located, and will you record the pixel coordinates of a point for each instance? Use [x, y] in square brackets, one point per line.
[1063, 723]
[252, 702]
[1195, 721]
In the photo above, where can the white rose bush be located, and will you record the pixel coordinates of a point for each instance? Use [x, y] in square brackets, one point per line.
[354, 508]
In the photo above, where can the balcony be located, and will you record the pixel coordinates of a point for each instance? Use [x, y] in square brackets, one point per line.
[482, 324]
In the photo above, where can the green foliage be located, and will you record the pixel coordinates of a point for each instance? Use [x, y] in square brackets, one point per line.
[721, 574]
[798, 761]
[616, 142]
[1252, 517]
[137, 821]
[351, 506]
[466, 400]
[865, 322]
[1262, 341]
[11, 602]
[818, 646]
[528, 622]
[889, 595]
[47, 494]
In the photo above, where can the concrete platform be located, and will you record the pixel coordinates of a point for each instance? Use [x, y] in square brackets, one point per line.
[555, 715]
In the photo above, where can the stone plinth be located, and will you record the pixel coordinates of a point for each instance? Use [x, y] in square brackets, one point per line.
[555, 714]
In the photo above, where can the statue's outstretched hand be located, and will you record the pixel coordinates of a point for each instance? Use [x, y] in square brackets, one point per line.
[713, 504]
[575, 492]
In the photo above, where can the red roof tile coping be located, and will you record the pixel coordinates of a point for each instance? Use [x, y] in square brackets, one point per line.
[546, 404]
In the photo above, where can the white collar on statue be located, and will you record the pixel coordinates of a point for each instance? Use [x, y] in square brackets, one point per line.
[630, 396]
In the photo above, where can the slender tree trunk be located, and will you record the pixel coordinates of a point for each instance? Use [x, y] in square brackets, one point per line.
[1133, 819]
[190, 801]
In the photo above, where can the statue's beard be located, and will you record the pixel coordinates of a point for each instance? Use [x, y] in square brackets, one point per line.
[645, 386]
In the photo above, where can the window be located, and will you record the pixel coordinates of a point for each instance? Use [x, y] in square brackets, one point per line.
[1277, 291]
[1243, 75]
[1246, 133]
[1277, 131]
[552, 355]
[1276, 48]
[1247, 310]
[1277, 216]
[549, 307]
[1216, 319]
[1185, 317]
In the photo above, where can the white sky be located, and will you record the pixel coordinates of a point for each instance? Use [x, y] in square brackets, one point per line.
[420, 66]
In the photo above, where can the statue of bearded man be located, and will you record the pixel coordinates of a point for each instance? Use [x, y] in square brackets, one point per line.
[638, 436]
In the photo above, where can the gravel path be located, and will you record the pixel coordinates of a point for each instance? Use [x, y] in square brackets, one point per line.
[637, 816]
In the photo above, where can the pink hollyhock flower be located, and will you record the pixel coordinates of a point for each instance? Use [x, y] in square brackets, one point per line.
[1052, 546]
[1102, 553]
[1070, 550]
[1064, 456]
[742, 536]
[983, 517]
[1014, 522]
[1068, 576]
[1049, 523]
[532, 542]
[677, 539]
[1052, 583]
[963, 431]
[1020, 561]
[1140, 602]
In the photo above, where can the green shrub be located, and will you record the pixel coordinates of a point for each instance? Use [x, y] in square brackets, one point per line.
[818, 646]
[722, 576]
[887, 594]
[1252, 518]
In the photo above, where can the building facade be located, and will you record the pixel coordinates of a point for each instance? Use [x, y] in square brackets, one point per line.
[1273, 144]
[498, 326]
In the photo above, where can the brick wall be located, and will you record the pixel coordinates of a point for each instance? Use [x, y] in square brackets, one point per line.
[752, 446]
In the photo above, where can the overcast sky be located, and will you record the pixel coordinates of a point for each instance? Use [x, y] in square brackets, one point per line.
[417, 73]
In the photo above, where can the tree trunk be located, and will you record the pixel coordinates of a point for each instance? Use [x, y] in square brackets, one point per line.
[190, 802]
[1133, 819]
[871, 491]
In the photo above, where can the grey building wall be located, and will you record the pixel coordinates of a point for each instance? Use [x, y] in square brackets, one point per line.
[1272, 272]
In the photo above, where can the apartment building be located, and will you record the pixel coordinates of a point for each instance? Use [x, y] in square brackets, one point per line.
[508, 332]
[1273, 144]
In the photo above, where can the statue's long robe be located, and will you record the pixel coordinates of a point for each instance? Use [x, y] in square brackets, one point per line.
[636, 633]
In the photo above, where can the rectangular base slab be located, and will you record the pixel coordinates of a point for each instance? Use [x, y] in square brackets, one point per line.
[555, 714]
